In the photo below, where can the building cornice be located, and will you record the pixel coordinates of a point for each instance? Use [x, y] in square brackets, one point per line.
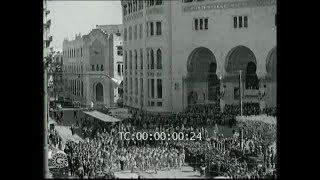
[227, 5]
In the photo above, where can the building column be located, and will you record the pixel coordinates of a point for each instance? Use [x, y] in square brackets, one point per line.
[149, 89]
[156, 88]
[88, 91]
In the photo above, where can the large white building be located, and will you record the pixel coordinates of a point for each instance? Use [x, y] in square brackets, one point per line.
[178, 53]
[88, 60]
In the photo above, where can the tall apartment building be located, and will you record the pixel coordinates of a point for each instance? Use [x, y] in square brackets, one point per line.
[88, 60]
[56, 65]
[47, 39]
[179, 53]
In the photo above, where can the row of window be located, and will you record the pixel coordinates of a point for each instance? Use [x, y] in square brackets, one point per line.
[72, 68]
[151, 90]
[137, 5]
[135, 33]
[132, 7]
[72, 53]
[97, 67]
[201, 23]
[120, 69]
[75, 87]
[153, 28]
[150, 59]
[240, 22]
[119, 51]
[128, 88]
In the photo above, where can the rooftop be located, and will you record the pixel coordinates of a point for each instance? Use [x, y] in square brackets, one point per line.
[110, 29]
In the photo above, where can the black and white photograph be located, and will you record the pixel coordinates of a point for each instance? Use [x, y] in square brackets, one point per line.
[147, 89]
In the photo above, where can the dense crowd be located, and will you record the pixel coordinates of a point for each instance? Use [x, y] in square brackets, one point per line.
[107, 151]
[201, 115]
[235, 157]
[54, 140]
[248, 155]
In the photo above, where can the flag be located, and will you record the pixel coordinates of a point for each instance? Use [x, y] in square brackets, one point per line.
[91, 104]
[114, 80]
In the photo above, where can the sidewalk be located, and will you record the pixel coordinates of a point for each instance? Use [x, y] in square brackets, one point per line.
[65, 132]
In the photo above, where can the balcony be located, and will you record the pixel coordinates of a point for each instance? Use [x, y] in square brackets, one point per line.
[47, 12]
[48, 41]
[47, 24]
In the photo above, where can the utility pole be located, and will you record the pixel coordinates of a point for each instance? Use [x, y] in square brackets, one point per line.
[240, 91]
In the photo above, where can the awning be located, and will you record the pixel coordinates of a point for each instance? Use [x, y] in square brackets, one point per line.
[101, 116]
[121, 113]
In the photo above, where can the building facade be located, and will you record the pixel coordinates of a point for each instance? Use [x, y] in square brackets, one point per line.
[88, 61]
[58, 84]
[179, 53]
[47, 39]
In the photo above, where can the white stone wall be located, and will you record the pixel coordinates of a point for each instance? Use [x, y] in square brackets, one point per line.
[91, 78]
[117, 59]
[179, 39]
[220, 38]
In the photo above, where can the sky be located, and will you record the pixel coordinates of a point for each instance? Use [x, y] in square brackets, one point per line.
[73, 17]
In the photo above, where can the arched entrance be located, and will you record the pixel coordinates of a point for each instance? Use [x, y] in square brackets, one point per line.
[99, 92]
[271, 67]
[242, 58]
[202, 81]
[271, 64]
[252, 81]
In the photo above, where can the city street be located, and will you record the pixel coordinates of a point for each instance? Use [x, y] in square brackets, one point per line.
[63, 127]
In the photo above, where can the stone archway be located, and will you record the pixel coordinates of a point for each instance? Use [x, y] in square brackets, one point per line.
[99, 92]
[202, 81]
[242, 58]
[271, 63]
[271, 67]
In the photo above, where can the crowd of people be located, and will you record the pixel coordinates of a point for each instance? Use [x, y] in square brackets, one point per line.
[242, 156]
[235, 157]
[54, 140]
[106, 152]
[202, 115]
